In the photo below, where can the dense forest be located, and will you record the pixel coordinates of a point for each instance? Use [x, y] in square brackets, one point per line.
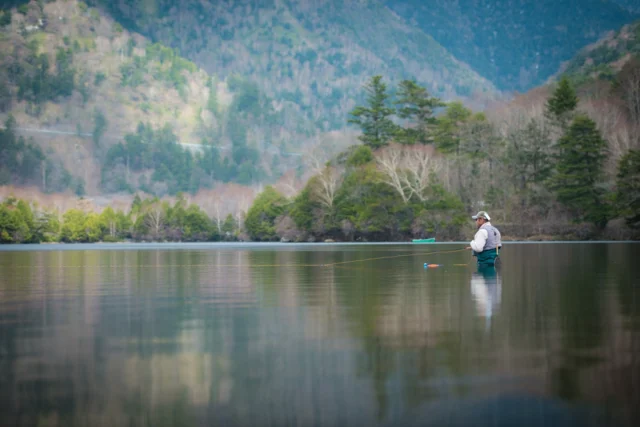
[280, 77]
[559, 162]
[420, 178]
[601, 61]
[85, 73]
[311, 56]
[414, 175]
[149, 219]
[24, 163]
[162, 166]
[516, 44]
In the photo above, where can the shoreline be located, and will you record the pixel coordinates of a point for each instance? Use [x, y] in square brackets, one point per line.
[257, 245]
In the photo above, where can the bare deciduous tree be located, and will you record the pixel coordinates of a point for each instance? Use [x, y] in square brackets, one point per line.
[390, 163]
[326, 184]
[621, 133]
[154, 219]
[316, 160]
[327, 178]
[629, 81]
[515, 118]
[241, 211]
[407, 169]
[607, 115]
[288, 184]
[218, 216]
[419, 168]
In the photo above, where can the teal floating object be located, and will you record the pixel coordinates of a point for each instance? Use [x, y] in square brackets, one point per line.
[429, 240]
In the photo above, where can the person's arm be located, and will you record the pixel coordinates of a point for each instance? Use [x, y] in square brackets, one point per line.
[479, 240]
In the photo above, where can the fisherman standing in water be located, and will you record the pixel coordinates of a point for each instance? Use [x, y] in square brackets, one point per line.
[487, 242]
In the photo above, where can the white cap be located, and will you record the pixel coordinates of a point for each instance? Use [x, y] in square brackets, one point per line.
[481, 214]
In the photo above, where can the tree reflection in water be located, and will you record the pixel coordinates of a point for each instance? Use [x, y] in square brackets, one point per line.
[205, 337]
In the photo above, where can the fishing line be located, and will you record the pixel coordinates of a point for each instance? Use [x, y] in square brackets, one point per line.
[250, 265]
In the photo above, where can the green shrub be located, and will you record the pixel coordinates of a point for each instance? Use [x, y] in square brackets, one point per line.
[100, 77]
[5, 18]
[360, 156]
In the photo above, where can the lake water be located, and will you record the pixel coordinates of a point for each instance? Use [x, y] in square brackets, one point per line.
[319, 335]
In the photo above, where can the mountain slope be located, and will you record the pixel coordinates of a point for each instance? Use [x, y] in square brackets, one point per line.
[109, 69]
[632, 5]
[310, 56]
[77, 82]
[517, 44]
[603, 59]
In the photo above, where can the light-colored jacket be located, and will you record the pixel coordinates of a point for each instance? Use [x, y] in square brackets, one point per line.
[487, 237]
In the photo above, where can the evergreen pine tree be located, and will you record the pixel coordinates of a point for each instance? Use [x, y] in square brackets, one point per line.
[450, 128]
[100, 124]
[579, 172]
[261, 216]
[374, 120]
[416, 105]
[562, 104]
[212, 101]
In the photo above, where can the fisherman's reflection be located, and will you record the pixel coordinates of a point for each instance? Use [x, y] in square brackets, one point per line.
[486, 288]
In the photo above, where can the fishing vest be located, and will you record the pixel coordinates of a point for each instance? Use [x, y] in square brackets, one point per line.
[494, 239]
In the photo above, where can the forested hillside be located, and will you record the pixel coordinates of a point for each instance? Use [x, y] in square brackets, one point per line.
[605, 58]
[516, 44]
[555, 164]
[310, 56]
[632, 5]
[61, 60]
[107, 108]
[561, 161]
[546, 168]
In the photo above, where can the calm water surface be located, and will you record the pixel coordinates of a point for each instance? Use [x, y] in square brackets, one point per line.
[280, 335]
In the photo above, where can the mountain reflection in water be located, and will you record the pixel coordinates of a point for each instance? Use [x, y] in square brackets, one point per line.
[203, 336]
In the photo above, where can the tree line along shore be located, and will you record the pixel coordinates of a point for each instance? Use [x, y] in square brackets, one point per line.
[422, 166]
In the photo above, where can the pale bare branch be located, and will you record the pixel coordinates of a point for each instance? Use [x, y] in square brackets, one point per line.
[390, 163]
[630, 87]
[418, 169]
[327, 184]
[154, 218]
[408, 169]
[316, 160]
[218, 215]
[288, 184]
